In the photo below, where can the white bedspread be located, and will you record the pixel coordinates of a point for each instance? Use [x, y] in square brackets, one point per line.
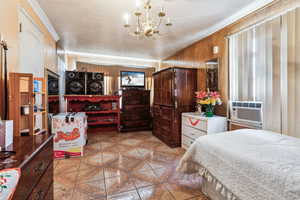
[251, 164]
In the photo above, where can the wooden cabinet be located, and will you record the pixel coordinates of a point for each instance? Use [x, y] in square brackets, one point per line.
[195, 126]
[21, 97]
[36, 174]
[27, 106]
[34, 156]
[135, 113]
[163, 88]
[174, 93]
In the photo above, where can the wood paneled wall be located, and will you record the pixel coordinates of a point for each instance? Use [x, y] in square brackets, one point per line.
[198, 53]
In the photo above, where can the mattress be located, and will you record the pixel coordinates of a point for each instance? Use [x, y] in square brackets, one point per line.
[247, 164]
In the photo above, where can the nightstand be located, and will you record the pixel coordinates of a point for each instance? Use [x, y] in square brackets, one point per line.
[194, 126]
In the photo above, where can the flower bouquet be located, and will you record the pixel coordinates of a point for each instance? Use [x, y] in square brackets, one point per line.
[208, 100]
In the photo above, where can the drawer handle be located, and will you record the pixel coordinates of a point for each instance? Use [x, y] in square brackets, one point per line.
[40, 167]
[39, 195]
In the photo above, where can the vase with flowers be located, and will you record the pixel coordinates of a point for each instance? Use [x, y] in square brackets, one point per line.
[208, 100]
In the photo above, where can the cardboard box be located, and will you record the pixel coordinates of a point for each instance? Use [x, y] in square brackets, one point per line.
[70, 134]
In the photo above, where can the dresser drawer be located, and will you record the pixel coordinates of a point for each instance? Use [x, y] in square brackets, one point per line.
[136, 123]
[33, 170]
[192, 132]
[186, 141]
[195, 123]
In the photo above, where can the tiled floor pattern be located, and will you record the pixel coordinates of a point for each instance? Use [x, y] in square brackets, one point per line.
[126, 166]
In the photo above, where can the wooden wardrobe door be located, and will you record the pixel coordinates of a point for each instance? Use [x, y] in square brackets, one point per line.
[185, 86]
[157, 89]
[167, 88]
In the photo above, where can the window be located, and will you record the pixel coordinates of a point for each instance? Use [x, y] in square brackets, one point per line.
[264, 67]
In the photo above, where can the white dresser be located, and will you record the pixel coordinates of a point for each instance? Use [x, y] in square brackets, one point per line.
[194, 126]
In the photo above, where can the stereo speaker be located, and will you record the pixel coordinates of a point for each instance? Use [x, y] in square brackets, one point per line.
[94, 83]
[75, 83]
[53, 87]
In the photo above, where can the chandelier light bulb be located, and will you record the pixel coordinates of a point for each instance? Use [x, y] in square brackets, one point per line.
[169, 23]
[162, 12]
[137, 4]
[126, 18]
[137, 32]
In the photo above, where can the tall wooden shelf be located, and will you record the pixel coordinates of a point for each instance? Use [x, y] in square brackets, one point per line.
[22, 95]
[106, 118]
[40, 122]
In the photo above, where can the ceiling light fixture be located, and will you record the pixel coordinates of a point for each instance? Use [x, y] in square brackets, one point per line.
[146, 25]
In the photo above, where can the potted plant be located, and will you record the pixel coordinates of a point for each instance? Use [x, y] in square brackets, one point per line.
[208, 100]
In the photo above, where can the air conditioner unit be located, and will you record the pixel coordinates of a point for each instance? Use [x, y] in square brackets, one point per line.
[249, 113]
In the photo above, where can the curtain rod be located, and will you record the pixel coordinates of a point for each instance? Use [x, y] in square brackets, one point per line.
[261, 22]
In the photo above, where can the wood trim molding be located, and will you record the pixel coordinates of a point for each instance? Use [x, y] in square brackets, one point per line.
[43, 17]
[256, 5]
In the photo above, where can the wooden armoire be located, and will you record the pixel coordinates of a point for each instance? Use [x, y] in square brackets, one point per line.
[174, 93]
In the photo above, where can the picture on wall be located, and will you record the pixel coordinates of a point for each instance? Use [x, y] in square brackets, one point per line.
[132, 79]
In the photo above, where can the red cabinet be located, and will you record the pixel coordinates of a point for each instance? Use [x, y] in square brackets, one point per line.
[103, 111]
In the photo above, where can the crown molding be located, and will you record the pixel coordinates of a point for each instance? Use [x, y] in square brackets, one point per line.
[44, 18]
[254, 6]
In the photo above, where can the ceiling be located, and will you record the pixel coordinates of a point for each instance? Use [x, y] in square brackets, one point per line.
[96, 26]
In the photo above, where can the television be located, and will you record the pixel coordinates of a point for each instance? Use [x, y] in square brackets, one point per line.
[132, 79]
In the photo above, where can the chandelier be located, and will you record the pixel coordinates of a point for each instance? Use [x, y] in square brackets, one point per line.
[147, 24]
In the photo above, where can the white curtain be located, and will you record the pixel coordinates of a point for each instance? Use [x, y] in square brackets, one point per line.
[255, 69]
[291, 73]
[265, 66]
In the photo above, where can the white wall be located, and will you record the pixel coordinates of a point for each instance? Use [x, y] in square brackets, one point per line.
[31, 46]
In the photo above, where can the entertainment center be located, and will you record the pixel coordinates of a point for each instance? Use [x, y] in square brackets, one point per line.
[103, 111]
[85, 93]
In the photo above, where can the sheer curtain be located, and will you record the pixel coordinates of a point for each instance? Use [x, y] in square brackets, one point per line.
[267, 72]
[255, 69]
[291, 73]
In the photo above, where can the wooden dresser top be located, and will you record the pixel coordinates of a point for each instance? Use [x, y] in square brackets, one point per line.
[25, 147]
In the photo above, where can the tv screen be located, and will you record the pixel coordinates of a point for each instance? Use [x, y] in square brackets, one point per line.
[132, 79]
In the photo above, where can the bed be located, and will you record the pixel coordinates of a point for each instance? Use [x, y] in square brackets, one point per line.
[246, 165]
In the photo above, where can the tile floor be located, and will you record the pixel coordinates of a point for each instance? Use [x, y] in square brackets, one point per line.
[125, 166]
